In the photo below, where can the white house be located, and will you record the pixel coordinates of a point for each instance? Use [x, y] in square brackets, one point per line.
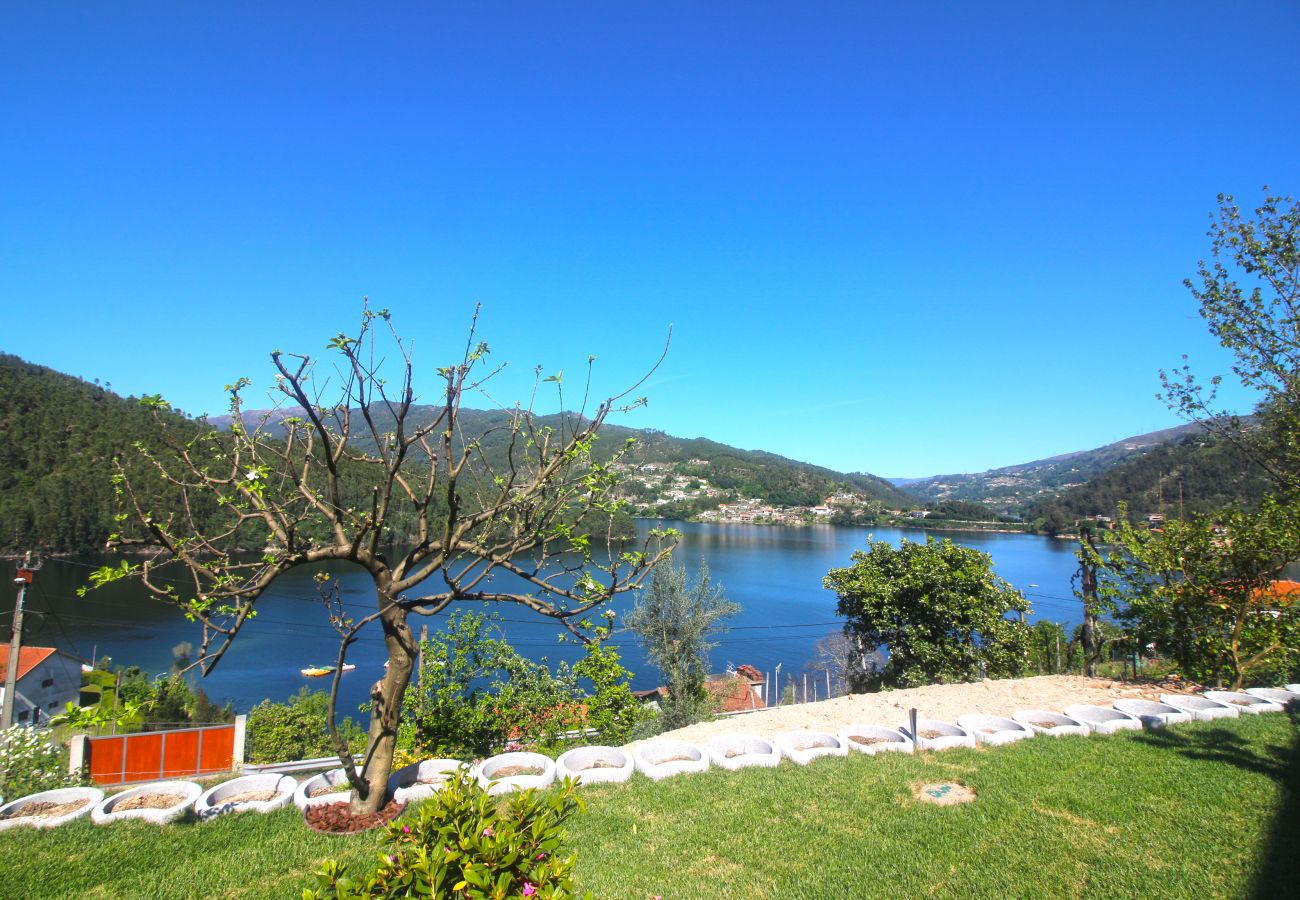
[47, 680]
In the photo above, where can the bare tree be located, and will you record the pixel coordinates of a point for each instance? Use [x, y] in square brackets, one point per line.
[343, 471]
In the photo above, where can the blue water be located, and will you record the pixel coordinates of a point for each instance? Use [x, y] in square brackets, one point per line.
[775, 574]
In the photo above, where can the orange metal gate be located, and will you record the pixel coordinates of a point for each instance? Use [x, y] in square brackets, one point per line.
[150, 756]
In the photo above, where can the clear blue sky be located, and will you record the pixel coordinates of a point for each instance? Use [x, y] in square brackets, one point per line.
[903, 239]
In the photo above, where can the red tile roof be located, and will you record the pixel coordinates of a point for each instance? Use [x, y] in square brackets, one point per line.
[28, 658]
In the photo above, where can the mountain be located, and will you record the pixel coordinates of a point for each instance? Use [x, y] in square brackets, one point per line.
[1011, 488]
[751, 474]
[1193, 474]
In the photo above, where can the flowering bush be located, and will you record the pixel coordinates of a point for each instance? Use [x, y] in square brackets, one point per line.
[465, 844]
[30, 764]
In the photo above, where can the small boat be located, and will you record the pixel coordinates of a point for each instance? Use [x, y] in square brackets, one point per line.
[318, 671]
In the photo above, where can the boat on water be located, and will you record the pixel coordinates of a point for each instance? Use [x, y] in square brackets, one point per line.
[318, 671]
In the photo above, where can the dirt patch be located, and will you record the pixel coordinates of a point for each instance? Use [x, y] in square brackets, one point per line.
[44, 810]
[1043, 723]
[338, 818]
[599, 764]
[946, 793]
[869, 741]
[931, 734]
[515, 771]
[332, 789]
[812, 745]
[679, 758]
[252, 797]
[941, 701]
[148, 801]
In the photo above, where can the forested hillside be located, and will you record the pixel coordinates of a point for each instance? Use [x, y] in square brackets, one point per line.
[1196, 474]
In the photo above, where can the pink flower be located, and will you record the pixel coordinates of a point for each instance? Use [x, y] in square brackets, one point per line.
[487, 832]
[406, 829]
[541, 856]
[529, 890]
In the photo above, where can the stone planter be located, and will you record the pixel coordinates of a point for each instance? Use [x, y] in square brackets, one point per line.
[224, 797]
[803, 747]
[994, 730]
[948, 735]
[494, 776]
[420, 781]
[1293, 688]
[1152, 714]
[873, 739]
[11, 814]
[1053, 724]
[741, 751]
[595, 765]
[1103, 720]
[334, 778]
[664, 759]
[1244, 703]
[1202, 710]
[111, 810]
[1274, 695]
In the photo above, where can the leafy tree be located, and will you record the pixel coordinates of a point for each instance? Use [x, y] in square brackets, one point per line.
[1202, 591]
[674, 621]
[1249, 296]
[339, 473]
[938, 609]
[297, 729]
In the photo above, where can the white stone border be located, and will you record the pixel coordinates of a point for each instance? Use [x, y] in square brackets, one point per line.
[1246, 703]
[103, 813]
[213, 803]
[302, 797]
[1004, 730]
[1273, 695]
[419, 781]
[496, 786]
[1201, 708]
[656, 759]
[803, 747]
[894, 740]
[1153, 714]
[747, 750]
[92, 796]
[1064, 727]
[953, 735]
[1103, 720]
[577, 764]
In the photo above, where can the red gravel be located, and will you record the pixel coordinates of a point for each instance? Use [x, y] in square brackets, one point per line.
[337, 818]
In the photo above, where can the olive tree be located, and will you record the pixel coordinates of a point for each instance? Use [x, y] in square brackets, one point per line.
[349, 468]
[936, 607]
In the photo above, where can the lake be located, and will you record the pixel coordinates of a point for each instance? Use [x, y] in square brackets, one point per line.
[774, 574]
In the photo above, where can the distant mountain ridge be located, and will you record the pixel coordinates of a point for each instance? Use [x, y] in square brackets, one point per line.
[1009, 489]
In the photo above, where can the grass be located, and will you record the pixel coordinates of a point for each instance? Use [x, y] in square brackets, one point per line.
[1205, 810]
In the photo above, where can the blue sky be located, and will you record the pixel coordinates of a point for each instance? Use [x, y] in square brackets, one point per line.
[903, 239]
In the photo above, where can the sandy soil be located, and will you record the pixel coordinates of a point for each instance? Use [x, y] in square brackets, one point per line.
[941, 701]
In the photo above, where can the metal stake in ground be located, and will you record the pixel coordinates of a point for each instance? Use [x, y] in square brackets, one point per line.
[916, 738]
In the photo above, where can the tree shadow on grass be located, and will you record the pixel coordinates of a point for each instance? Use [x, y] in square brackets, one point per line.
[1276, 876]
[1222, 745]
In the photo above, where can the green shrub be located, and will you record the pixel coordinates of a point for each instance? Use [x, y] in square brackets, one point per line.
[278, 732]
[466, 844]
[30, 764]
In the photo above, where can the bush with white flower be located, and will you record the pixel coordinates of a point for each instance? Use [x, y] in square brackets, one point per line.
[29, 763]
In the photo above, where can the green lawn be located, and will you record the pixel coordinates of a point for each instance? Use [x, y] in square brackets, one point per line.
[1197, 811]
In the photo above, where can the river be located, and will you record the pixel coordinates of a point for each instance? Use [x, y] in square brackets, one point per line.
[774, 573]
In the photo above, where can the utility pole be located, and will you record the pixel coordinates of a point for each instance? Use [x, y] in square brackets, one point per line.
[26, 569]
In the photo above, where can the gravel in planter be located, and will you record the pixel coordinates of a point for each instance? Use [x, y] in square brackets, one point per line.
[1152, 714]
[260, 793]
[1246, 703]
[593, 765]
[1200, 708]
[49, 809]
[803, 747]
[420, 781]
[740, 751]
[1103, 720]
[934, 734]
[873, 739]
[1053, 724]
[994, 730]
[663, 759]
[159, 803]
[507, 772]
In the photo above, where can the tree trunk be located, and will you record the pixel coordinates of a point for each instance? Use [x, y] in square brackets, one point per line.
[1091, 637]
[386, 699]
